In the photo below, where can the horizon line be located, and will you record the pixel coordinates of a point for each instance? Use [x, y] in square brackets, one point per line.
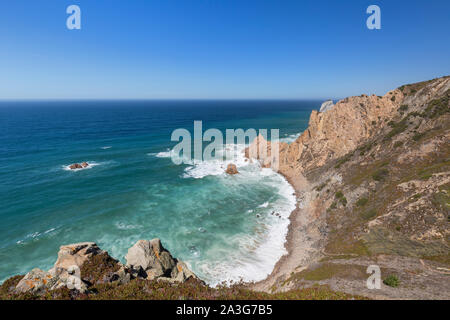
[161, 99]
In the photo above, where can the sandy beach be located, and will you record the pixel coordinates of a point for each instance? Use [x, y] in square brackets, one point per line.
[303, 241]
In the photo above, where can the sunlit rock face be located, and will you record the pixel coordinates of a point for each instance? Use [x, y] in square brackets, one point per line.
[327, 105]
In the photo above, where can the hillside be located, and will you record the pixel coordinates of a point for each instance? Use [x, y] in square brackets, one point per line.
[372, 179]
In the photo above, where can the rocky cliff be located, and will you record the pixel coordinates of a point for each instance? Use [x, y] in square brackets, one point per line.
[349, 123]
[372, 180]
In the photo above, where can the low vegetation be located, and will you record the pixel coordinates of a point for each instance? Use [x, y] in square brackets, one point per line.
[438, 107]
[340, 198]
[140, 289]
[362, 202]
[380, 174]
[397, 128]
[343, 160]
[391, 281]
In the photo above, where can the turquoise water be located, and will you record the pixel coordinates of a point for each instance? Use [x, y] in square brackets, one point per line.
[220, 225]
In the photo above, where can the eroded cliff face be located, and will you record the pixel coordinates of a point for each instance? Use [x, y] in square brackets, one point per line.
[372, 182]
[336, 132]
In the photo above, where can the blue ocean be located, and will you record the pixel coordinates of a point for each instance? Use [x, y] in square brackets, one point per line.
[221, 225]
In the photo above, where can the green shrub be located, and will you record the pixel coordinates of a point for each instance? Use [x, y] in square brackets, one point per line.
[425, 175]
[418, 136]
[343, 160]
[438, 107]
[340, 198]
[403, 108]
[333, 206]
[396, 128]
[365, 148]
[339, 195]
[391, 281]
[380, 174]
[398, 144]
[362, 202]
[369, 214]
[414, 114]
[416, 196]
[384, 163]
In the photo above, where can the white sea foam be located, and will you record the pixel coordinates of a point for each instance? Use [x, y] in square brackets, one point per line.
[233, 153]
[259, 253]
[106, 147]
[264, 205]
[35, 236]
[164, 154]
[290, 138]
[49, 230]
[168, 154]
[125, 226]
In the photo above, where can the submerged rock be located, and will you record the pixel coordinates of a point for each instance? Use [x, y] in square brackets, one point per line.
[75, 166]
[232, 169]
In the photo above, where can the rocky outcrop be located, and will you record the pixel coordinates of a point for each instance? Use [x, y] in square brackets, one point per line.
[75, 166]
[66, 271]
[37, 281]
[327, 105]
[75, 255]
[153, 260]
[81, 265]
[232, 169]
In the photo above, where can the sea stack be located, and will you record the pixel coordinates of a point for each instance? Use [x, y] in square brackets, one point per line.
[75, 166]
[231, 169]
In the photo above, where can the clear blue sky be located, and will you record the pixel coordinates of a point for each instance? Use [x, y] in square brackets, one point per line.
[218, 48]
